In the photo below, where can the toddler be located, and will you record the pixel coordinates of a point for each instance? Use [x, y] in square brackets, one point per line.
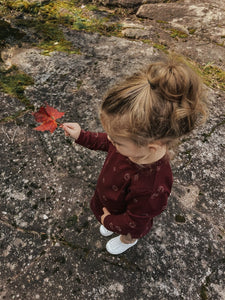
[141, 116]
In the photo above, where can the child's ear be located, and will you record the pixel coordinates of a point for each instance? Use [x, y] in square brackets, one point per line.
[156, 146]
[152, 147]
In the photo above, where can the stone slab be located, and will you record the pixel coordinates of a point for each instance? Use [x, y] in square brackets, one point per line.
[46, 184]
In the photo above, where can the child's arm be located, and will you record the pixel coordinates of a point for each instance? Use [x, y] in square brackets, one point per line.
[141, 209]
[91, 140]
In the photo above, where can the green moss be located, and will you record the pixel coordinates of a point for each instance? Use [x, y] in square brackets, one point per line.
[203, 292]
[180, 219]
[62, 45]
[147, 41]
[71, 221]
[46, 18]
[155, 45]
[44, 236]
[7, 31]
[79, 84]
[178, 33]
[191, 30]
[51, 37]
[209, 250]
[82, 22]
[161, 22]
[61, 259]
[211, 75]
[15, 116]
[160, 47]
[20, 5]
[92, 7]
[207, 135]
[14, 83]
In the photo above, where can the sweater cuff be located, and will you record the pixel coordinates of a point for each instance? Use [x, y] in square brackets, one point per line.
[107, 222]
[80, 138]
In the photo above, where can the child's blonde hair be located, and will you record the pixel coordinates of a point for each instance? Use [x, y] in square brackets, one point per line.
[163, 102]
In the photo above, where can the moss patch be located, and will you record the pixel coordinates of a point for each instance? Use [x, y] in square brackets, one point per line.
[45, 20]
[211, 75]
[61, 45]
[8, 32]
[14, 82]
[180, 219]
[203, 292]
[83, 20]
[155, 45]
[207, 135]
[191, 30]
[160, 47]
[162, 22]
[175, 33]
[71, 221]
[24, 5]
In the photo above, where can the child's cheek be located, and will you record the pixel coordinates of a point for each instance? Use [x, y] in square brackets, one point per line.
[122, 151]
[118, 148]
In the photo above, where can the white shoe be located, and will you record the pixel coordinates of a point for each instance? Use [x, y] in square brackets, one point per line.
[115, 246]
[104, 231]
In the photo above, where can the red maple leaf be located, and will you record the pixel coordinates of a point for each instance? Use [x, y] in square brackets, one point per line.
[47, 116]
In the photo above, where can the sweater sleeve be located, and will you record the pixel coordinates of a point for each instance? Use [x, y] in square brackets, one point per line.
[93, 140]
[141, 208]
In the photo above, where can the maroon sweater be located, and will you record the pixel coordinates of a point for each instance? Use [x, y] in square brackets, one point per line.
[132, 193]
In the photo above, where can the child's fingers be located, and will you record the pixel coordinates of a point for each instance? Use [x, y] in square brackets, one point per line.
[70, 125]
[71, 129]
[105, 211]
[68, 130]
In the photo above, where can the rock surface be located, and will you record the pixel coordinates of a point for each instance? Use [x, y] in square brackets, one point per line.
[50, 242]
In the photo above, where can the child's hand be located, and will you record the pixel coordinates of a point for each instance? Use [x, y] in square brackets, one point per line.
[106, 213]
[71, 129]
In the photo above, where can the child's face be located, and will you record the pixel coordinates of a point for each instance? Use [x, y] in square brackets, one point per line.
[124, 145]
[129, 149]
